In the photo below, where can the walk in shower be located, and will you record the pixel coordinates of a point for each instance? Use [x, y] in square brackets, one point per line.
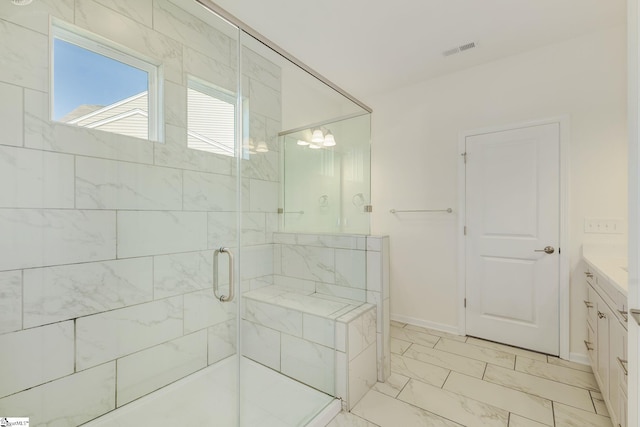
[184, 224]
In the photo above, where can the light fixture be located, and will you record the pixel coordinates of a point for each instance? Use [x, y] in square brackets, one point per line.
[302, 142]
[314, 146]
[21, 2]
[317, 136]
[262, 147]
[329, 140]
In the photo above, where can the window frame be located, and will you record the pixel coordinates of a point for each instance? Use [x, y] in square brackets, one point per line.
[111, 50]
[221, 94]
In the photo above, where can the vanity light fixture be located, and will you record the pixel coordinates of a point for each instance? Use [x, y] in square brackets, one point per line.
[329, 140]
[21, 2]
[302, 142]
[262, 147]
[317, 136]
[314, 146]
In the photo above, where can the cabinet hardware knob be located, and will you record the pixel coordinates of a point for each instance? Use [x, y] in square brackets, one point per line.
[588, 274]
[589, 304]
[588, 345]
[601, 315]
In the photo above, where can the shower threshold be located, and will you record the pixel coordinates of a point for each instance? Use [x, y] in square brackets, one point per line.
[208, 398]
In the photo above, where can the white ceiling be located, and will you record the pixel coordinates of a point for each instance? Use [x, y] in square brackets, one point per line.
[370, 46]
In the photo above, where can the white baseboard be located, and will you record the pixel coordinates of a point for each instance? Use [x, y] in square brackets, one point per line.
[425, 324]
[583, 359]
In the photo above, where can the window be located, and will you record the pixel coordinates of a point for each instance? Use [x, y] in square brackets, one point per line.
[99, 86]
[211, 115]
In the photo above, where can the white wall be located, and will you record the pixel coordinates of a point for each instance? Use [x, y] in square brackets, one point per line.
[415, 159]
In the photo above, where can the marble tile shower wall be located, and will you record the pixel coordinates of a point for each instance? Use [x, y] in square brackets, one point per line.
[354, 267]
[107, 240]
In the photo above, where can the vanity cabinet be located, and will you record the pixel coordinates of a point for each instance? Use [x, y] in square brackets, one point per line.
[606, 344]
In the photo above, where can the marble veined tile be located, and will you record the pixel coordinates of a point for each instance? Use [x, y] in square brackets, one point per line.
[399, 346]
[11, 103]
[140, 10]
[347, 419]
[552, 390]
[567, 416]
[261, 344]
[202, 309]
[150, 369]
[309, 304]
[70, 401]
[263, 195]
[424, 372]
[436, 333]
[222, 341]
[454, 362]
[393, 385]
[177, 274]
[192, 31]
[36, 17]
[350, 268]
[386, 411]
[308, 362]
[557, 373]
[64, 292]
[518, 421]
[510, 400]
[35, 179]
[24, 56]
[413, 336]
[363, 374]
[273, 316]
[45, 237]
[35, 356]
[453, 406]
[567, 364]
[107, 336]
[10, 301]
[109, 184]
[160, 232]
[507, 348]
[209, 192]
[489, 355]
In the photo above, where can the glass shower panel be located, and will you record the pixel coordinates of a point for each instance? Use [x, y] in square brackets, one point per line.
[327, 188]
[108, 240]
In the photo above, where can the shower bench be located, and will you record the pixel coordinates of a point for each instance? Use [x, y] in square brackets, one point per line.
[326, 342]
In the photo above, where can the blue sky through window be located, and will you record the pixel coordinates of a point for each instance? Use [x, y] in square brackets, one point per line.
[85, 77]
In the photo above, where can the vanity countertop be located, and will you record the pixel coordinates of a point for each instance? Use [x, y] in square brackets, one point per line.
[610, 264]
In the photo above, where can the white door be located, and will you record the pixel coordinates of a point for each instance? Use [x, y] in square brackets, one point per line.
[512, 214]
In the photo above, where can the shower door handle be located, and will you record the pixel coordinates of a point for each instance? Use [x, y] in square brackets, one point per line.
[223, 298]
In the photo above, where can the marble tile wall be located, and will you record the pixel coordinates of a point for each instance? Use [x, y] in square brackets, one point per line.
[106, 254]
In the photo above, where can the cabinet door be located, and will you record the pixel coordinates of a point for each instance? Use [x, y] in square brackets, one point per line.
[617, 366]
[590, 344]
[602, 346]
[590, 302]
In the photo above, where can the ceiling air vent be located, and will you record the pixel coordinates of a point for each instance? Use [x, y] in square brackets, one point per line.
[459, 49]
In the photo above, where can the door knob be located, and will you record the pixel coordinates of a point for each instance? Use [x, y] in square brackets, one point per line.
[547, 250]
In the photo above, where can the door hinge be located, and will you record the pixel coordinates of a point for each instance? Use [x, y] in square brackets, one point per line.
[465, 303]
[559, 250]
[464, 157]
[368, 208]
[465, 230]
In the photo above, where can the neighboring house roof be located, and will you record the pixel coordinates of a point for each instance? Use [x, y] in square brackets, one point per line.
[211, 121]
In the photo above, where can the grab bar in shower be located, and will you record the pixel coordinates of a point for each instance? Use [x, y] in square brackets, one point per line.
[448, 210]
[229, 297]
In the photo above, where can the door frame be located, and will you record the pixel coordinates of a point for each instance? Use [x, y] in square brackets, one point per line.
[564, 271]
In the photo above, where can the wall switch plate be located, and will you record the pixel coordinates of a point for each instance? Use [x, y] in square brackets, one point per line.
[604, 225]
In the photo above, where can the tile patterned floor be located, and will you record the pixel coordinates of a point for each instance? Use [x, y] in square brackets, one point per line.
[440, 379]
